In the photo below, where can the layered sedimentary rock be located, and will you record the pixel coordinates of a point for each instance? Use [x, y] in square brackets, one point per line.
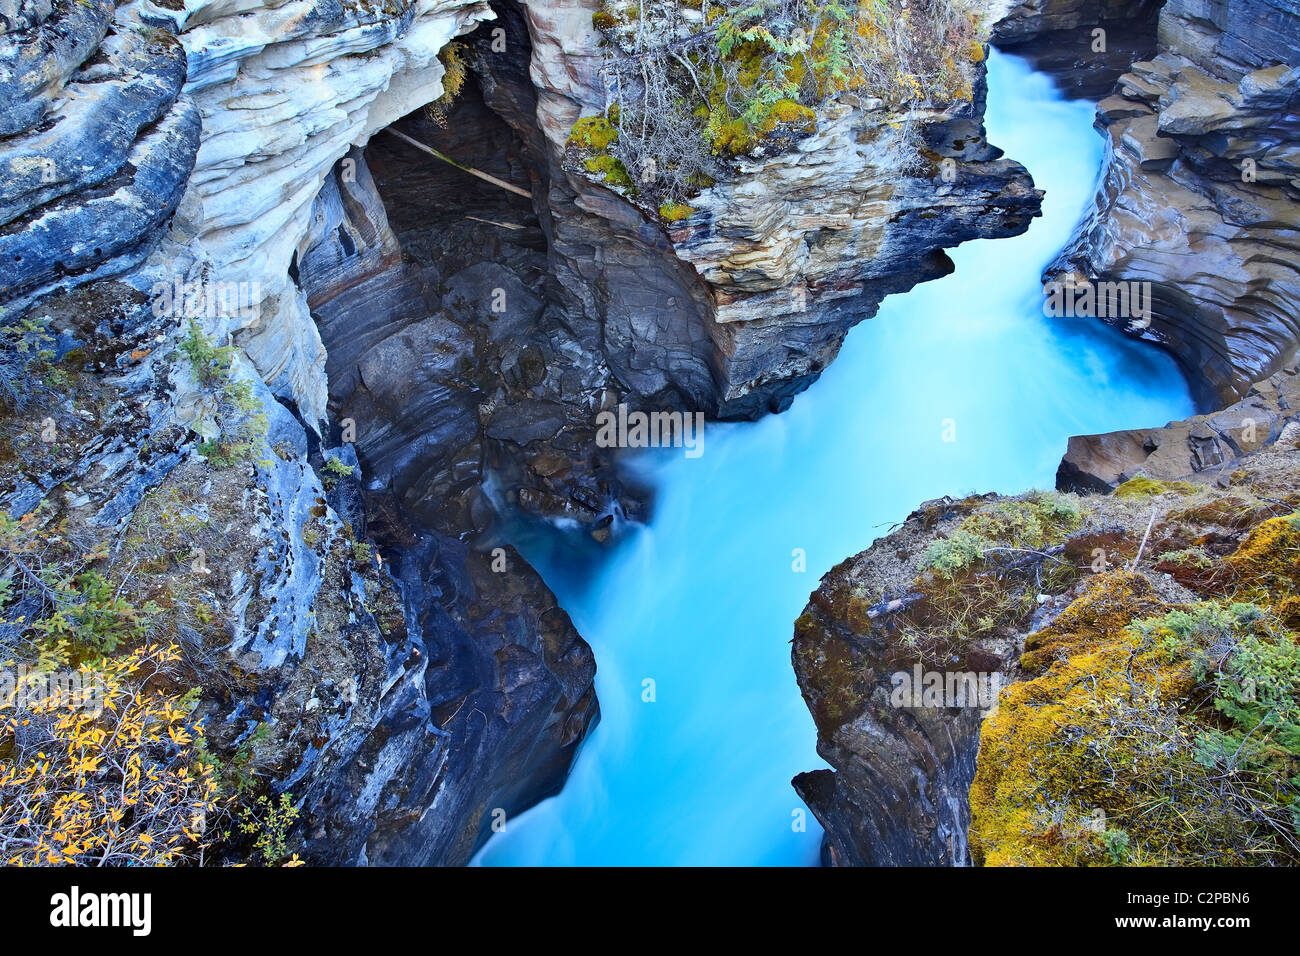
[898, 793]
[285, 92]
[448, 348]
[805, 244]
[1208, 445]
[99, 142]
[742, 305]
[400, 708]
[478, 710]
[1199, 193]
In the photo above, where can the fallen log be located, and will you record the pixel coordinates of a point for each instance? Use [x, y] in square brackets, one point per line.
[508, 187]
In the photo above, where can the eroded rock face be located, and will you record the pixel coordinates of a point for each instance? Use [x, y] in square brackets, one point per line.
[1209, 445]
[484, 691]
[1199, 194]
[805, 244]
[450, 348]
[742, 305]
[99, 144]
[731, 313]
[286, 92]
[1083, 44]
[900, 790]
[483, 704]
[898, 793]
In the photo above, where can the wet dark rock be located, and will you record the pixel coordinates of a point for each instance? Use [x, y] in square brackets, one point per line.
[488, 698]
[1058, 37]
[526, 422]
[897, 795]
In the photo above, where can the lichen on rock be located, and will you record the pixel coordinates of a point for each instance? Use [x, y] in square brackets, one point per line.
[1138, 654]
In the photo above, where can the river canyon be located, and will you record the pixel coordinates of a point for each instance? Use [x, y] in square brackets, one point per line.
[349, 465]
[699, 599]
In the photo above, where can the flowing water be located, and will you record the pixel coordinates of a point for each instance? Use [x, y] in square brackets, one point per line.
[702, 601]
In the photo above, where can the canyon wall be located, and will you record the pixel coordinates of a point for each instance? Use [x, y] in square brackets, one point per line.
[285, 91]
[406, 699]
[897, 795]
[364, 644]
[99, 143]
[1199, 192]
[1084, 45]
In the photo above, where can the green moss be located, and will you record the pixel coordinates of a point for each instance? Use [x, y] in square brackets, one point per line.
[1144, 487]
[790, 113]
[1036, 521]
[1149, 734]
[1186, 558]
[1267, 563]
[1108, 604]
[612, 169]
[960, 550]
[239, 416]
[1039, 779]
[675, 211]
[832, 666]
[1288, 612]
[732, 137]
[1236, 512]
[592, 133]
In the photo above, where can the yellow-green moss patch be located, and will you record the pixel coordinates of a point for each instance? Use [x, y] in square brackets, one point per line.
[612, 169]
[592, 133]
[1144, 487]
[675, 211]
[1268, 561]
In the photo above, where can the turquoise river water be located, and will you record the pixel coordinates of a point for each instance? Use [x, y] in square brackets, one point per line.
[702, 600]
